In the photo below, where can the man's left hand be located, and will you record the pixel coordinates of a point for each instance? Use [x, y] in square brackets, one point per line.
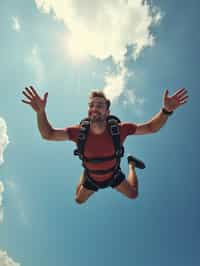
[170, 103]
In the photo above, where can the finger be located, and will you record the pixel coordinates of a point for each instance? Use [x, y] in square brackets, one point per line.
[180, 91]
[34, 91]
[166, 92]
[183, 93]
[26, 102]
[45, 97]
[183, 102]
[27, 95]
[28, 91]
[183, 98]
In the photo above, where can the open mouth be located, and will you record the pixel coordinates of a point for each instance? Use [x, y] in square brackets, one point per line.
[94, 113]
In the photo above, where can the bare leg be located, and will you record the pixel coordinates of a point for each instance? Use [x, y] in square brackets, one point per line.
[82, 194]
[132, 177]
[79, 184]
[129, 187]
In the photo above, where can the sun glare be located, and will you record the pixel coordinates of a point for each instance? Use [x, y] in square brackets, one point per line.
[76, 49]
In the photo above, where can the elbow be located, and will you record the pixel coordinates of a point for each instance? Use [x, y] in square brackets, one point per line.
[153, 128]
[46, 135]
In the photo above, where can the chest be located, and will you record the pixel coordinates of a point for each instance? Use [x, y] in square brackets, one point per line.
[99, 145]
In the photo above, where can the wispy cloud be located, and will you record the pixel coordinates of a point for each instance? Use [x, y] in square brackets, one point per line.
[3, 144]
[36, 64]
[3, 138]
[1, 201]
[17, 199]
[16, 26]
[133, 101]
[105, 28]
[115, 83]
[5, 260]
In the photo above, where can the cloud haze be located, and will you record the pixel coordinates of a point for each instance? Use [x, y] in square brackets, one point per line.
[16, 26]
[1, 201]
[3, 138]
[35, 62]
[17, 199]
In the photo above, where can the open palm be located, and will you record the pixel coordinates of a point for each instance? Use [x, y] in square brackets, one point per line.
[177, 99]
[34, 100]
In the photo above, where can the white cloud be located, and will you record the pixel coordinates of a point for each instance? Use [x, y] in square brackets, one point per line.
[35, 62]
[105, 28]
[157, 14]
[15, 24]
[1, 201]
[3, 138]
[115, 83]
[5, 260]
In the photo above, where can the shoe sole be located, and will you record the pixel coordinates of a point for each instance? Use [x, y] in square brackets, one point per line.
[138, 163]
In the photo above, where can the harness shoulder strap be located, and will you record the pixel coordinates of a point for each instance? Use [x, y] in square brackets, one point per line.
[82, 136]
[113, 123]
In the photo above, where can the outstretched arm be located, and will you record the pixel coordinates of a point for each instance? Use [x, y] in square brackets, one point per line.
[170, 103]
[38, 104]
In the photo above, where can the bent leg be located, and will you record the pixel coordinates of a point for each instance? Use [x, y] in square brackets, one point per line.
[79, 184]
[129, 186]
[83, 194]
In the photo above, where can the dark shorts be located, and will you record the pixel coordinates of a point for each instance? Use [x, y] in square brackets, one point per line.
[114, 181]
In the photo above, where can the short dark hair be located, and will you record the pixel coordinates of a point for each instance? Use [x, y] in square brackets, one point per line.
[99, 93]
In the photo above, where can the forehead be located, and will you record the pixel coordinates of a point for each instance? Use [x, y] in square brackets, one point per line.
[97, 100]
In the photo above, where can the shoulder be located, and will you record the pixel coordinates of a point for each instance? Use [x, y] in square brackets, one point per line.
[72, 132]
[128, 128]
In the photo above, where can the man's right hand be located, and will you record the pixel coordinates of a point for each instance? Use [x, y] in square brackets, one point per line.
[34, 100]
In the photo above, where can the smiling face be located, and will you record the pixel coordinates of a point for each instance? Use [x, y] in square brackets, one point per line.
[97, 109]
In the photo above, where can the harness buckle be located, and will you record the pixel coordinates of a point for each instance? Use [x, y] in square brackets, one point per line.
[114, 130]
[81, 136]
[85, 123]
[120, 152]
[76, 153]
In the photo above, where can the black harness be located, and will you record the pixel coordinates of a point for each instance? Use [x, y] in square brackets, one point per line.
[113, 125]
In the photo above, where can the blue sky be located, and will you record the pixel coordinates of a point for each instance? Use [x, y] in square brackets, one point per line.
[133, 52]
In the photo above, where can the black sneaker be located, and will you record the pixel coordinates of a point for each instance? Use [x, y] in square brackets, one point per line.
[138, 163]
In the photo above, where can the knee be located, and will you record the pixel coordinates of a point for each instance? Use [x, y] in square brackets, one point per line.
[133, 194]
[79, 201]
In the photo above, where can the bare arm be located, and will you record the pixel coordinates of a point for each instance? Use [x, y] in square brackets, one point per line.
[152, 125]
[38, 104]
[170, 103]
[47, 131]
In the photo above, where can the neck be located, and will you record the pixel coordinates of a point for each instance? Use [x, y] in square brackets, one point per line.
[98, 127]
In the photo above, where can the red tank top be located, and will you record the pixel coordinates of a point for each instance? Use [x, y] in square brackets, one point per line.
[101, 145]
